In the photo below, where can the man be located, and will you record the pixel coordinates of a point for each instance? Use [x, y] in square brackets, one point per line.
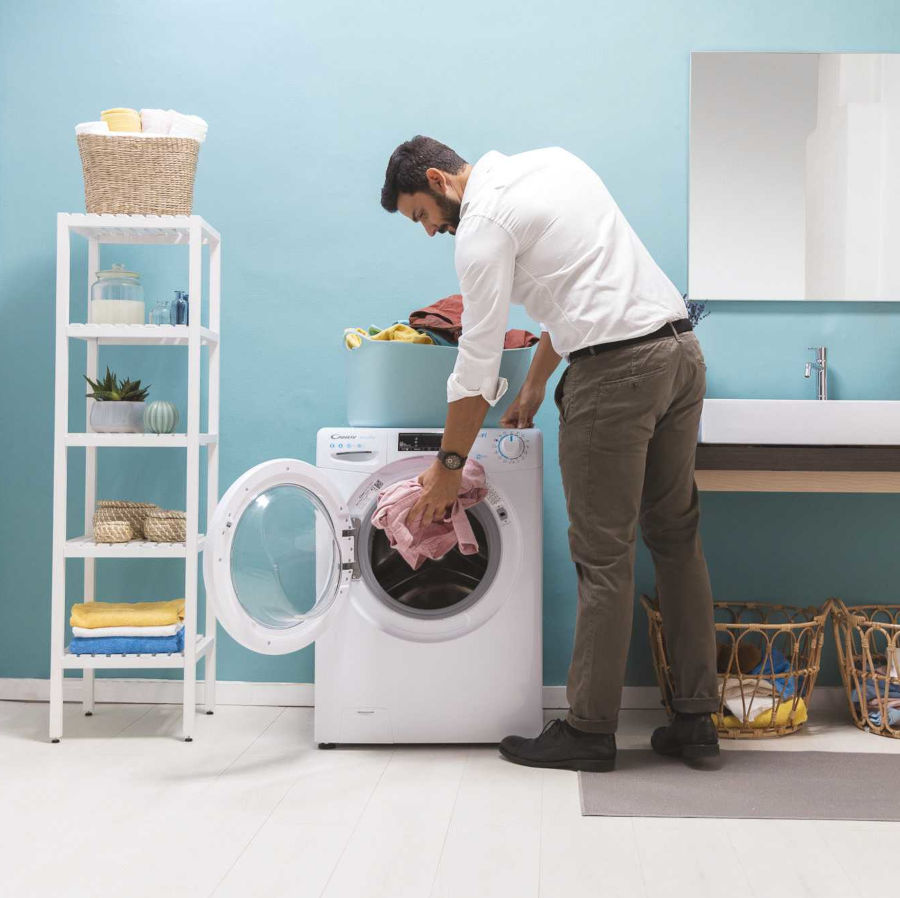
[540, 229]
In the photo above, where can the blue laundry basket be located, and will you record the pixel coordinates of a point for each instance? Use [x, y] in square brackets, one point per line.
[394, 384]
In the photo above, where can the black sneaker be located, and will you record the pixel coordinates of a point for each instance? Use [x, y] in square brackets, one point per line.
[563, 747]
[692, 737]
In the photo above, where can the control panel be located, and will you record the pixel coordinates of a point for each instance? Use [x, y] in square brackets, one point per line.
[349, 445]
[369, 448]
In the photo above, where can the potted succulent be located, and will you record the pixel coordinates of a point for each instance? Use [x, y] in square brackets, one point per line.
[118, 405]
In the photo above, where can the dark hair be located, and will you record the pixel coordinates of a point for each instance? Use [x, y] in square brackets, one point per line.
[408, 164]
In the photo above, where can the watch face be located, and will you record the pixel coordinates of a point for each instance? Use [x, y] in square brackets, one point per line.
[452, 461]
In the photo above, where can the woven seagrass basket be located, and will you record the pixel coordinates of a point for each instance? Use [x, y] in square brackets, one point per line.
[768, 659]
[165, 526]
[138, 175]
[122, 510]
[112, 532]
[868, 645]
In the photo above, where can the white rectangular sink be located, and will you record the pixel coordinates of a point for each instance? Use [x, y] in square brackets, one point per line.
[804, 422]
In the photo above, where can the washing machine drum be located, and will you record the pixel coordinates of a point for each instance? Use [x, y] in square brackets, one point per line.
[439, 588]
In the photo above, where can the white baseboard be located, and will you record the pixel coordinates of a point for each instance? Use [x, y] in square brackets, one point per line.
[139, 691]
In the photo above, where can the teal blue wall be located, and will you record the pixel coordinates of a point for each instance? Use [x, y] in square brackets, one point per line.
[305, 102]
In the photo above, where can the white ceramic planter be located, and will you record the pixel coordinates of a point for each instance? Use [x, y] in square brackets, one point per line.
[118, 417]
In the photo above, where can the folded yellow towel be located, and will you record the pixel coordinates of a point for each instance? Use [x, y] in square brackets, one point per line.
[127, 614]
[782, 716]
[402, 333]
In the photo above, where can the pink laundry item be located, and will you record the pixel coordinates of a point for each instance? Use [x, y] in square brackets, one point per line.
[436, 539]
[445, 318]
[519, 339]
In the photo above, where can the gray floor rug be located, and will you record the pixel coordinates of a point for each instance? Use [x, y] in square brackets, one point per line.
[789, 785]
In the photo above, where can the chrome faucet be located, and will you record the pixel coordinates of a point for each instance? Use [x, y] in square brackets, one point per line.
[821, 366]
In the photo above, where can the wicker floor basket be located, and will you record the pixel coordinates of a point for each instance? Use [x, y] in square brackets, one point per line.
[868, 645]
[768, 659]
[122, 510]
[138, 175]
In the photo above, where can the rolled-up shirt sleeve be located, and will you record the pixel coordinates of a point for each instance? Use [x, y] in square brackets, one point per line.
[485, 263]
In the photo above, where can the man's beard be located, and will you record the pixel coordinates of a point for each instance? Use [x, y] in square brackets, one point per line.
[450, 210]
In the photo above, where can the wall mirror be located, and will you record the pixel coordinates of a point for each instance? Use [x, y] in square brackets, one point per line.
[794, 176]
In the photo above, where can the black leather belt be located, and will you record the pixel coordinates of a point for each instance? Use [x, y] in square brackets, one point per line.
[667, 330]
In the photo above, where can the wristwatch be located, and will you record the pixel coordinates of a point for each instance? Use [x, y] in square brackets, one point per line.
[452, 461]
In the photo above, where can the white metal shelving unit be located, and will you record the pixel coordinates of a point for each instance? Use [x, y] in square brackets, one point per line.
[193, 232]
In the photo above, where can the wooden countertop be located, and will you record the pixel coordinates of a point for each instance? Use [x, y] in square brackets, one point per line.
[722, 467]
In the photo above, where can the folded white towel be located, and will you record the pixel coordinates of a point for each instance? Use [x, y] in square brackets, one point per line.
[187, 126]
[91, 632]
[92, 128]
[750, 698]
[156, 121]
[141, 135]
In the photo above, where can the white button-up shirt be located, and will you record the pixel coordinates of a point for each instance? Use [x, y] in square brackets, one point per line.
[540, 229]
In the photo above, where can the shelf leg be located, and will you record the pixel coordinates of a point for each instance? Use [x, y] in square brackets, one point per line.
[60, 427]
[56, 701]
[212, 456]
[190, 700]
[192, 503]
[90, 471]
[87, 684]
[209, 689]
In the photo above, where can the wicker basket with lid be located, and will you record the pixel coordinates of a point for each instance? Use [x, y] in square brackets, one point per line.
[165, 526]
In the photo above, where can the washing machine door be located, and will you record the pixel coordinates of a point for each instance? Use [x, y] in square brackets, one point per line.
[278, 557]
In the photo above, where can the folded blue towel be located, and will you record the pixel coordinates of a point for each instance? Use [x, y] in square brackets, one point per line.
[127, 645]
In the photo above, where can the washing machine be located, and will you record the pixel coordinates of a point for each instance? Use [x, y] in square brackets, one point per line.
[450, 652]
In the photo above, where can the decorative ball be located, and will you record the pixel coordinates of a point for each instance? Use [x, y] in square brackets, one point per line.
[160, 417]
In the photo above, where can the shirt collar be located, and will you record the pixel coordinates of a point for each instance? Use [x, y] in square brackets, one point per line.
[479, 177]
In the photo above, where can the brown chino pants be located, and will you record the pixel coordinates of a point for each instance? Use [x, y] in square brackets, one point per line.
[627, 438]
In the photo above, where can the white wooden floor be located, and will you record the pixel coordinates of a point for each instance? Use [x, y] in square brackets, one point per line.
[121, 807]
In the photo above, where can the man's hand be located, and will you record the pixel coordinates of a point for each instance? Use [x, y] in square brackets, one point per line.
[440, 489]
[524, 407]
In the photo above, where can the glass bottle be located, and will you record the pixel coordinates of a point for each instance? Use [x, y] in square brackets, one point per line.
[160, 313]
[179, 308]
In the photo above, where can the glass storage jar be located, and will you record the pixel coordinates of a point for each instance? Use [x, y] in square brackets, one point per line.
[117, 297]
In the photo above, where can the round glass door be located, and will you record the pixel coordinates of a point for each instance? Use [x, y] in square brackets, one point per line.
[284, 557]
[274, 563]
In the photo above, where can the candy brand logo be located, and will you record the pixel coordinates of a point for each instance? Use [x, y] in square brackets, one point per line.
[343, 436]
